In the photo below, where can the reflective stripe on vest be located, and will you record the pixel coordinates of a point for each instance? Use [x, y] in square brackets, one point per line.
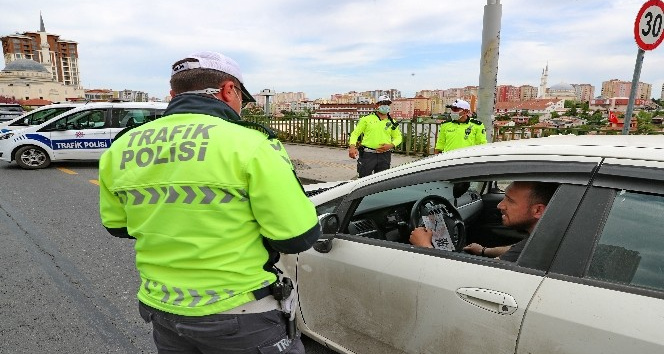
[171, 194]
[195, 294]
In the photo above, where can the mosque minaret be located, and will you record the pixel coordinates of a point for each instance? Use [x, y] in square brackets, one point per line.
[542, 88]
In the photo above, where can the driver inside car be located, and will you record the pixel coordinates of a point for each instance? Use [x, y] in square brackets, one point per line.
[521, 208]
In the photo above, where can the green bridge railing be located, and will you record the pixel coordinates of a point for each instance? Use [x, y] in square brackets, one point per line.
[419, 138]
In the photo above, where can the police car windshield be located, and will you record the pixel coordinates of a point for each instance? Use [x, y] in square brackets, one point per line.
[40, 117]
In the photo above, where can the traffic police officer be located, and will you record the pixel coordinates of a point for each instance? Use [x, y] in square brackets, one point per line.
[461, 130]
[380, 134]
[210, 203]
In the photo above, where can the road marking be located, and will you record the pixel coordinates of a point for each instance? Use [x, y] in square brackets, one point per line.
[67, 171]
[94, 181]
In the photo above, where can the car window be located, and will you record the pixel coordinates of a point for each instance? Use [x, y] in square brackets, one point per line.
[630, 248]
[386, 215]
[405, 194]
[328, 207]
[131, 117]
[88, 119]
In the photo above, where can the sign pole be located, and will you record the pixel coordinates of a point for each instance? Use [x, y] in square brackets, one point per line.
[486, 94]
[632, 91]
[648, 33]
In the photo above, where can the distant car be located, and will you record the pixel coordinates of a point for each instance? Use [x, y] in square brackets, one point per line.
[37, 116]
[9, 111]
[589, 280]
[82, 133]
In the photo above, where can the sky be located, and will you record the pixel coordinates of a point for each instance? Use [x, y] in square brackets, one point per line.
[327, 47]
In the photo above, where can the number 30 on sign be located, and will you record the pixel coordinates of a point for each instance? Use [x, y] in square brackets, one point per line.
[649, 25]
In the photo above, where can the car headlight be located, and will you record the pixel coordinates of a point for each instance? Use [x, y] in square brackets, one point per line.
[6, 136]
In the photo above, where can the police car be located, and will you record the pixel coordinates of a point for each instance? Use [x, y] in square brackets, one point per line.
[37, 116]
[81, 133]
[590, 278]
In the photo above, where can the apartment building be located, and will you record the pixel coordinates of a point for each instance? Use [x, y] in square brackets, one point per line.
[617, 88]
[59, 56]
[342, 110]
[507, 93]
[527, 92]
[584, 92]
[403, 108]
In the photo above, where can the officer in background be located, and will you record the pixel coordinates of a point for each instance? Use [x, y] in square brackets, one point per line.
[461, 130]
[380, 134]
[210, 204]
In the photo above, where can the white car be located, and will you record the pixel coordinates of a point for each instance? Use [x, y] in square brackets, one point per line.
[37, 116]
[9, 111]
[82, 133]
[589, 280]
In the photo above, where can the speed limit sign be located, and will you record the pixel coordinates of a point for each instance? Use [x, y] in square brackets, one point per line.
[649, 25]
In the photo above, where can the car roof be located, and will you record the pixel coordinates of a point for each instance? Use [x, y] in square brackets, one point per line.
[93, 105]
[634, 150]
[124, 104]
[638, 147]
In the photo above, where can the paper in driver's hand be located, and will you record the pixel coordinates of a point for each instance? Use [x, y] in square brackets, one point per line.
[441, 235]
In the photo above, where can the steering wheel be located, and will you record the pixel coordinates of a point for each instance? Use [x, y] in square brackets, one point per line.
[434, 204]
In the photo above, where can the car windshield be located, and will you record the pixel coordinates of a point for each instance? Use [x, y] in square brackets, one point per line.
[40, 117]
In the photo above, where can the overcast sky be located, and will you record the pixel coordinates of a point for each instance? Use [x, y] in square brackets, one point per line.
[322, 48]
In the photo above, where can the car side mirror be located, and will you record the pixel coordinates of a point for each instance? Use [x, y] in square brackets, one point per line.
[329, 224]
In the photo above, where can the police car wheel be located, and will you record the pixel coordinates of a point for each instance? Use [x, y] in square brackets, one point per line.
[32, 158]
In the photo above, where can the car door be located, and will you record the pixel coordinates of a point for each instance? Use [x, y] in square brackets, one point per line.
[83, 134]
[372, 295]
[605, 291]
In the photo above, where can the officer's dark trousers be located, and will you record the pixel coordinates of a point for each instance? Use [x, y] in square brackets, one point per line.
[371, 162]
[223, 333]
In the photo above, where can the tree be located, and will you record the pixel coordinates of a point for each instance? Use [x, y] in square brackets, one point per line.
[644, 123]
[252, 110]
[555, 114]
[584, 111]
[5, 99]
[571, 112]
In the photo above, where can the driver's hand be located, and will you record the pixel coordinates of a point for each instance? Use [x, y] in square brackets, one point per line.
[421, 237]
[474, 248]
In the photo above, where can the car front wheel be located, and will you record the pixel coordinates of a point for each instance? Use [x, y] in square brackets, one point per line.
[32, 158]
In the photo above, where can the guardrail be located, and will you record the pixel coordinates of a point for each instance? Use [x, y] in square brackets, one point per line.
[419, 138]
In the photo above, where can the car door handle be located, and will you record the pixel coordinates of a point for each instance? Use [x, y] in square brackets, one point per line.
[494, 301]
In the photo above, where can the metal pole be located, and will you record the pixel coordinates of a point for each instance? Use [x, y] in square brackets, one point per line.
[632, 92]
[489, 65]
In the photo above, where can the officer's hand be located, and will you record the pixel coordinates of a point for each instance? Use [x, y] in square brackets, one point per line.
[352, 152]
[420, 236]
[384, 147]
